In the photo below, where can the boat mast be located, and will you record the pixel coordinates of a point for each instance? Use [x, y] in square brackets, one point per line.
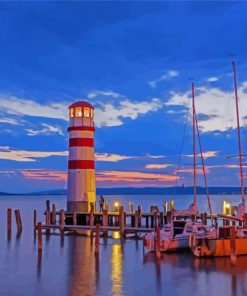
[239, 136]
[194, 140]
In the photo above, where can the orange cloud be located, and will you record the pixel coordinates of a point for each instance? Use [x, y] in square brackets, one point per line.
[158, 166]
[134, 177]
[48, 175]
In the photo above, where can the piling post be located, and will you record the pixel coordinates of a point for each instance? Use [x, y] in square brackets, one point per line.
[131, 207]
[47, 221]
[9, 224]
[106, 206]
[233, 245]
[136, 219]
[97, 237]
[34, 220]
[158, 255]
[39, 227]
[62, 221]
[105, 222]
[139, 216]
[53, 214]
[121, 220]
[18, 220]
[74, 218]
[48, 207]
[165, 206]
[161, 219]
[91, 218]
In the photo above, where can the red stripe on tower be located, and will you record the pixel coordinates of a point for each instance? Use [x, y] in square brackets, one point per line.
[81, 142]
[81, 164]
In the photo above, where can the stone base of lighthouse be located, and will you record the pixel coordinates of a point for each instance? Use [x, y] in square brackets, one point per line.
[78, 206]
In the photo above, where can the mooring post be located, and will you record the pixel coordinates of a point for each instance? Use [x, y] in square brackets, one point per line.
[18, 220]
[106, 206]
[91, 218]
[233, 245]
[48, 208]
[121, 220]
[139, 216]
[105, 223]
[62, 221]
[131, 207]
[54, 214]
[34, 220]
[47, 221]
[165, 206]
[158, 242]
[97, 237]
[74, 218]
[9, 224]
[136, 219]
[161, 224]
[39, 227]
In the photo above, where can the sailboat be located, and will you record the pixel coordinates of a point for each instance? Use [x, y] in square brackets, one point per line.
[176, 235]
[226, 240]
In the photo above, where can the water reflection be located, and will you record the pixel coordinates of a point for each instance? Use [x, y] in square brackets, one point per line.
[83, 267]
[116, 270]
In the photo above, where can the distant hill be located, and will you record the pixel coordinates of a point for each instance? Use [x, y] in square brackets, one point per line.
[146, 191]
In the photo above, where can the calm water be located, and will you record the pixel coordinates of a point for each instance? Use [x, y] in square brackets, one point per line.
[69, 267]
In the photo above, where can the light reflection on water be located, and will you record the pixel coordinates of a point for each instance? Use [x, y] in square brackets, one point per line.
[69, 267]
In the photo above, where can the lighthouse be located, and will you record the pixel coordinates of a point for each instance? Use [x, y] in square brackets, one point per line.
[81, 169]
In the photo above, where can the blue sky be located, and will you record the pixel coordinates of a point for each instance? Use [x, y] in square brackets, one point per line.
[132, 61]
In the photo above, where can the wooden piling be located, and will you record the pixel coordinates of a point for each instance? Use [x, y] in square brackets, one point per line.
[139, 216]
[158, 255]
[47, 220]
[91, 218]
[97, 237]
[106, 207]
[9, 224]
[62, 221]
[136, 219]
[131, 207]
[18, 220]
[39, 227]
[53, 214]
[121, 220]
[105, 222]
[74, 218]
[34, 220]
[48, 208]
[161, 224]
[233, 245]
[165, 208]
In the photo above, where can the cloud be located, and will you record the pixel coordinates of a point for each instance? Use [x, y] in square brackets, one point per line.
[26, 156]
[158, 166]
[206, 154]
[212, 79]
[96, 93]
[111, 157]
[17, 106]
[134, 177]
[44, 174]
[215, 106]
[11, 121]
[168, 75]
[47, 130]
[106, 114]
[191, 171]
[112, 115]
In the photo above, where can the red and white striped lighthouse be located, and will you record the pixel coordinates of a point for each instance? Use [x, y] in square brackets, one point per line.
[81, 171]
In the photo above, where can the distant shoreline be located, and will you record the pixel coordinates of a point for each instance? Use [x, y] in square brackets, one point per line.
[143, 191]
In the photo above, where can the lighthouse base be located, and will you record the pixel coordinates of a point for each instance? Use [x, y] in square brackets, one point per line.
[78, 206]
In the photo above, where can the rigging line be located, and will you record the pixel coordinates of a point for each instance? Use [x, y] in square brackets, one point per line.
[182, 146]
[203, 167]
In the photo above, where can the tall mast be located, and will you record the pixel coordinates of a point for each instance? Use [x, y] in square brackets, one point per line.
[194, 140]
[239, 136]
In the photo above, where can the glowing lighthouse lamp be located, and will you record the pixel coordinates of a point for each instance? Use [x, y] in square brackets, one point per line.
[81, 169]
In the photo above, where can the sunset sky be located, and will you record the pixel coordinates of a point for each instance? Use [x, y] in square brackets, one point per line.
[132, 61]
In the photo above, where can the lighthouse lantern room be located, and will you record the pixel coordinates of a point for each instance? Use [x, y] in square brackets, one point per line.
[81, 169]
